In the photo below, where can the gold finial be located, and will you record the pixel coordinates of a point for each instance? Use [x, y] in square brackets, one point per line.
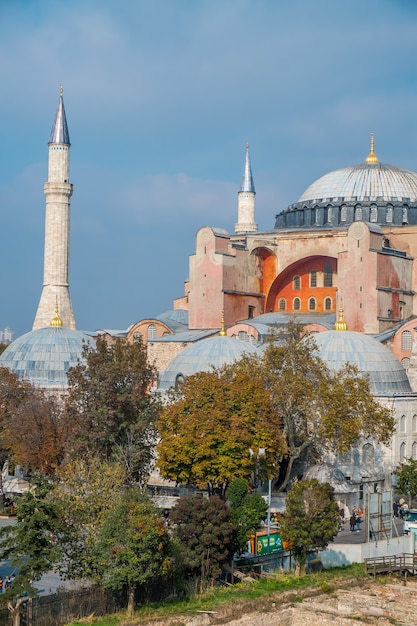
[247, 146]
[340, 324]
[61, 90]
[222, 332]
[372, 158]
[56, 320]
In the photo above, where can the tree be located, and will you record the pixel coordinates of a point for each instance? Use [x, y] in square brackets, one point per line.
[311, 519]
[407, 479]
[110, 408]
[209, 427]
[132, 546]
[31, 429]
[204, 530]
[247, 512]
[85, 491]
[31, 544]
[315, 409]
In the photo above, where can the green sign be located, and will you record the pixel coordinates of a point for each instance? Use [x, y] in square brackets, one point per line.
[275, 543]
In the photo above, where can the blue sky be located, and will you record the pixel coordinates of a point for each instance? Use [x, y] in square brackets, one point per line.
[161, 97]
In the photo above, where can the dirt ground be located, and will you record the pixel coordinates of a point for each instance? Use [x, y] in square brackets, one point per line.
[360, 602]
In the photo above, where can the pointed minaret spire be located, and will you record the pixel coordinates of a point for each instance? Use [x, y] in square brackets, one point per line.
[58, 192]
[246, 201]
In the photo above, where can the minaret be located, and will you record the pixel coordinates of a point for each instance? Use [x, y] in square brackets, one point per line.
[246, 201]
[58, 192]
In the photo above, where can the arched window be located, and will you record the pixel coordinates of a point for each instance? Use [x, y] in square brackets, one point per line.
[403, 424]
[402, 453]
[243, 335]
[311, 304]
[313, 278]
[368, 453]
[389, 213]
[414, 451]
[414, 423]
[179, 380]
[327, 304]
[406, 340]
[328, 275]
[343, 213]
[373, 213]
[151, 332]
[296, 282]
[282, 304]
[405, 363]
[405, 214]
[358, 213]
[296, 305]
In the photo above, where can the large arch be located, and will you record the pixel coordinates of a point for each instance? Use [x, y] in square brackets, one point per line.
[267, 268]
[311, 277]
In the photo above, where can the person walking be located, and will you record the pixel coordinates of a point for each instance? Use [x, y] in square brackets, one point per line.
[359, 519]
[352, 522]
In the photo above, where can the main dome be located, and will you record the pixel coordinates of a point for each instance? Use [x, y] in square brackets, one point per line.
[364, 182]
[44, 356]
[368, 192]
[387, 376]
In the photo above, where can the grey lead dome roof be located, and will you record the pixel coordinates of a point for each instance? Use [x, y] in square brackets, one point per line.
[203, 356]
[44, 356]
[365, 181]
[387, 376]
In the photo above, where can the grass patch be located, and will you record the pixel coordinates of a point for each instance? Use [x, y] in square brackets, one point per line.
[237, 599]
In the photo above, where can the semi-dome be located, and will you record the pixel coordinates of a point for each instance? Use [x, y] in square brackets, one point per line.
[328, 473]
[387, 376]
[370, 191]
[44, 356]
[203, 356]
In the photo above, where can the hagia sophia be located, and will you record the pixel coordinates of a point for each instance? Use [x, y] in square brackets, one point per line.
[341, 261]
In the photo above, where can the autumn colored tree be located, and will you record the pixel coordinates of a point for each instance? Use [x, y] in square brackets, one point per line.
[31, 429]
[110, 408]
[204, 530]
[407, 479]
[311, 519]
[317, 410]
[209, 427]
[132, 546]
[247, 510]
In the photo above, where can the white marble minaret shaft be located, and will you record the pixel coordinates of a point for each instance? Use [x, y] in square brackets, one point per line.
[58, 191]
[246, 201]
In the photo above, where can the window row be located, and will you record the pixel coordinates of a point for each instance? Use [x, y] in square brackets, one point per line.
[327, 278]
[403, 452]
[311, 305]
[403, 424]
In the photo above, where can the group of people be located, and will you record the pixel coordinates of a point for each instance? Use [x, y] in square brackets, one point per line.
[5, 584]
[355, 519]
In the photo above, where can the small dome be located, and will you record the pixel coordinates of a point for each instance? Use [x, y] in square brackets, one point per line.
[386, 374]
[44, 356]
[203, 356]
[363, 182]
[328, 473]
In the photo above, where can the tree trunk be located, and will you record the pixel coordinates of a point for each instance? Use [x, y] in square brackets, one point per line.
[130, 600]
[15, 610]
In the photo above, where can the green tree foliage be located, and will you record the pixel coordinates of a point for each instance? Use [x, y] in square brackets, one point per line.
[407, 479]
[209, 426]
[110, 408]
[311, 519]
[85, 491]
[247, 512]
[204, 531]
[31, 544]
[133, 546]
[316, 410]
